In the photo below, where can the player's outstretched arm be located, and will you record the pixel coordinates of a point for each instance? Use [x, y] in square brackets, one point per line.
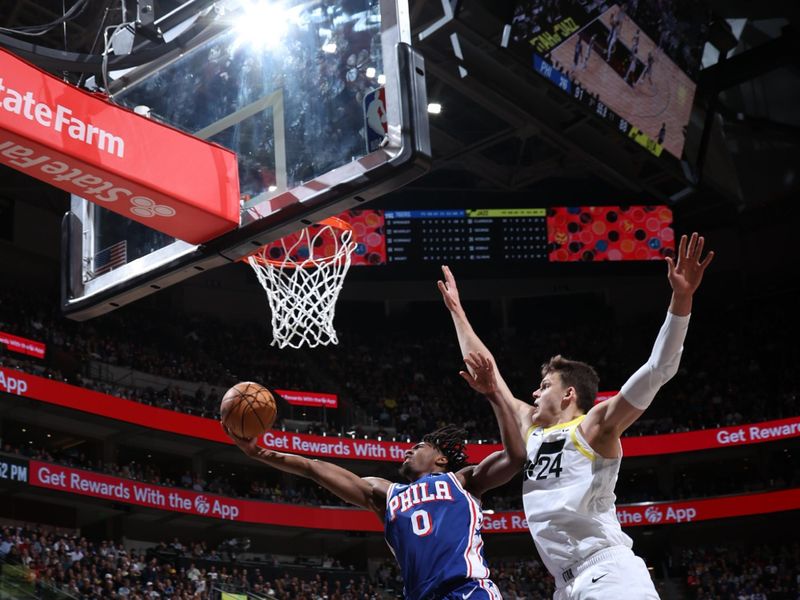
[469, 342]
[501, 466]
[366, 492]
[606, 422]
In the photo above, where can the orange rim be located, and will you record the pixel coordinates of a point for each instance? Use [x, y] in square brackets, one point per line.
[334, 222]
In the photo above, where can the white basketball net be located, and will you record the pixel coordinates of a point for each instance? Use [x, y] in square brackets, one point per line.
[302, 293]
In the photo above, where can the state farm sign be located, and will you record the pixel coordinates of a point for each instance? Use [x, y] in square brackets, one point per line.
[60, 119]
[84, 144]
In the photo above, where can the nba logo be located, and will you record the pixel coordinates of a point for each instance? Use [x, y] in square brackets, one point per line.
[375, 126]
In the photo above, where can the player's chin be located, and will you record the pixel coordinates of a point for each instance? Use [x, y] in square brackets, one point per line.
[405, 469]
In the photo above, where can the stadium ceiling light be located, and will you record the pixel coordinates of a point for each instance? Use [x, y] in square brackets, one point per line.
[381, 79]
[434, 108]
[329, 48]
[370, 72]
[261, 24]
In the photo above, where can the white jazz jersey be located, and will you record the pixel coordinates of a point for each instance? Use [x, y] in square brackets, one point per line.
[568, 495]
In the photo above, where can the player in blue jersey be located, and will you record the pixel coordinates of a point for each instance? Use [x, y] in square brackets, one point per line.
[433, 523]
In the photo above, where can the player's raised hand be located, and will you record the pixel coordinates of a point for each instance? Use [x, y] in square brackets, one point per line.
[686, 271]
[449, 290]
[480, 374]
[247, 445]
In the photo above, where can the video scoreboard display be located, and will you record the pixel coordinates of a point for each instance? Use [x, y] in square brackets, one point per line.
[555, 234]
[507, 235]
[631, 63]
[472, 235]
[597, 106]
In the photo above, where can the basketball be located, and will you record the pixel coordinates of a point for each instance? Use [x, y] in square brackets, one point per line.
[248, 409]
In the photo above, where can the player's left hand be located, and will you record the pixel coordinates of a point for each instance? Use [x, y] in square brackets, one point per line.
[686, 273]
[481, 375]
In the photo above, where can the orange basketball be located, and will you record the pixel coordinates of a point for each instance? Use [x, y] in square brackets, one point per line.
[248, 409]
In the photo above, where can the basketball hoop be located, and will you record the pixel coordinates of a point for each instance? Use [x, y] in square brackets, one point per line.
[302, 274]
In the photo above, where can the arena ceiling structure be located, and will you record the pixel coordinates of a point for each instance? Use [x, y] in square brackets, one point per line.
[501, 128]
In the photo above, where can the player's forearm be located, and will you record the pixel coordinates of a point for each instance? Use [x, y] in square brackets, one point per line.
[513, 444]
[335, 479]
[662, 365]
[318, 471]
[681, 305]
[288, 463]
[499, 467]
[468, 340]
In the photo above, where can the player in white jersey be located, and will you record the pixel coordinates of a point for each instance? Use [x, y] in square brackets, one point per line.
[574, 449]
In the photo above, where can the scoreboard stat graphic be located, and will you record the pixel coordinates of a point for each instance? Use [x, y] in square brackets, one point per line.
[556, 234]
[610, 233]
[449, 239]
[467, 235]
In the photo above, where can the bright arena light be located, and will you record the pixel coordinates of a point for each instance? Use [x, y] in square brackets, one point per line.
[370, 72]
[272, 188]
[381, 79]
[434, 108]
[261, 23]
[329, 48]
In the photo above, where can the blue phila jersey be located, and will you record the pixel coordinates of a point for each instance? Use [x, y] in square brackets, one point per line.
[433, 527]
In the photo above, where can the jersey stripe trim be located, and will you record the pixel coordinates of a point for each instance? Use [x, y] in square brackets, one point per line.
[389, 493]
[574, 421]
[490, 589]
[475, 565]
[472, 521]
[386, 523]
[587, 452]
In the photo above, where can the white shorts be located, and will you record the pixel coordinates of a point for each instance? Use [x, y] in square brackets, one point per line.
[612, 574]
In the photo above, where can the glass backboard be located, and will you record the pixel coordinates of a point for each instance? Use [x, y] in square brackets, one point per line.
[324, 103]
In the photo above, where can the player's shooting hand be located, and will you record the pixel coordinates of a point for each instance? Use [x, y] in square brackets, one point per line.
[449, 290]
[481, 375]
[686, 271]
[247, 445]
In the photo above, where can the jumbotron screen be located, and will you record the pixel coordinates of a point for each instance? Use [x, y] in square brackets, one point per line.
[633, 62]
[484, 235]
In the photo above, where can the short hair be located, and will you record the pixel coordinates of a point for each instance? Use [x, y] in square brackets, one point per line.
[578, 375]
[449, 440]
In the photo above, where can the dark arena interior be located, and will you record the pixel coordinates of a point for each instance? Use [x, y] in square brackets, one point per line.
[566, 147]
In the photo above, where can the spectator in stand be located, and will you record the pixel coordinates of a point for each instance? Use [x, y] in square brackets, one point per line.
[72, 349]
[763, 572]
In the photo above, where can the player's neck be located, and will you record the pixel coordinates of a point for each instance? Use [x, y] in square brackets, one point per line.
[565, 416]
[419, 476]
[572, 413]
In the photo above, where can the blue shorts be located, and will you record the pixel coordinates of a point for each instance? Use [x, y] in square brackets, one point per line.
[474, 589]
